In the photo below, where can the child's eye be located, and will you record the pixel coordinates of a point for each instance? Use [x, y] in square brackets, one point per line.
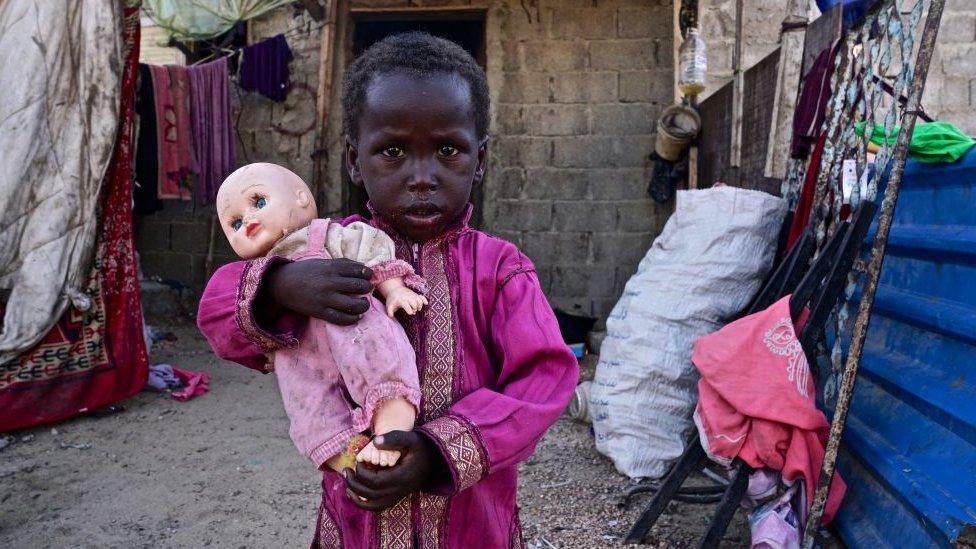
[448, 151]
[393, 152]
[260, 202]
[236, 224]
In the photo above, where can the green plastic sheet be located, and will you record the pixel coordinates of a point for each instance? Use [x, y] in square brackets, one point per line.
[203, 19]
[932, 142]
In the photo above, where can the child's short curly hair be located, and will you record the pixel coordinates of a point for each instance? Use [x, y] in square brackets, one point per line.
[415, 53]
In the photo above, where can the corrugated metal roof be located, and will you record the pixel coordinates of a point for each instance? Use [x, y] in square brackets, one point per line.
[909, 454]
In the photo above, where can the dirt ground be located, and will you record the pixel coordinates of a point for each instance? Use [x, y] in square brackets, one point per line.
[220, 471]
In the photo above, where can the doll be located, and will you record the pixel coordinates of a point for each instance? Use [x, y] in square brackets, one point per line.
[337, 381]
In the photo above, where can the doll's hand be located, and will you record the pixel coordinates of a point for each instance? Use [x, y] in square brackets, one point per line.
[404, 298]
[377, 489]
[329, 289]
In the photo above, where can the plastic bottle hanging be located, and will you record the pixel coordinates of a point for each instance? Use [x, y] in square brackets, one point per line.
[693, 64]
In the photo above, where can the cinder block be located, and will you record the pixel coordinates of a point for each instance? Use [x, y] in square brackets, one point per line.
[579, 305]
[525, 87]
[644, 22]
[510, 119]
[632, 151]
[640, 215]
[618, 183]
[522, 152]
[623, 54]
[519, 215]
[575, 23]
[560, 248]
[957, 27]
[584, 215]
[556, 183]
[508, 183]
[553, 55]
[582, 280]
[177, 267]
[625, 119]
[192, 237]
[585, 87]
[556, 119]
[624, 272]
[653, 86]
[583, 152]
[151, 234]
[620, 248]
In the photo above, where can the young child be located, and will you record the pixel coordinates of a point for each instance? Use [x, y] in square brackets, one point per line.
[494, 371]
[267, 209]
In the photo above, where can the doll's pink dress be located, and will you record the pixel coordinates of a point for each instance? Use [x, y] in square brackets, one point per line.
[333, 380]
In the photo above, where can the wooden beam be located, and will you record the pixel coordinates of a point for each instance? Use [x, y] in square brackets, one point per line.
[324, 93]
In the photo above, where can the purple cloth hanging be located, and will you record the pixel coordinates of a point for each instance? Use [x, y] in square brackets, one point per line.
[213, 134]
[264, 67]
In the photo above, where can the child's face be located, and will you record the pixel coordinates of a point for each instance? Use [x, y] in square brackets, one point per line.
[259, 204]
[418, 152]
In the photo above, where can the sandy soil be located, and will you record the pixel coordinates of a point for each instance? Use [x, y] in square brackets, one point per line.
[220, 471]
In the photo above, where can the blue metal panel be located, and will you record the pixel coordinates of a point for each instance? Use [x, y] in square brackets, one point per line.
[909, 454]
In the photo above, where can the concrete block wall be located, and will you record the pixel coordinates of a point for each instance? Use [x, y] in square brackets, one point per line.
[576, 90]
[950, 91]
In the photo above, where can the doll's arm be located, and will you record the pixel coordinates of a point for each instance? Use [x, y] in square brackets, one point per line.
[399, 296]
[375, 249]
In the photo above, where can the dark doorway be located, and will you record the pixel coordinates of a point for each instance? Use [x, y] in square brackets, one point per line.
[466, 27]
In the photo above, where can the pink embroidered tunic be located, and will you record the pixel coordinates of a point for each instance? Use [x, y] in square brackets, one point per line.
[333, 380]
[494, 375]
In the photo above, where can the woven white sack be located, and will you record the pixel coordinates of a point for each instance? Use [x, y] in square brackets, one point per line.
[701, 272]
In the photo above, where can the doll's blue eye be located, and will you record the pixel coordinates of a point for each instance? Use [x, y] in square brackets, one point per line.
[261, 202]
[237, 224]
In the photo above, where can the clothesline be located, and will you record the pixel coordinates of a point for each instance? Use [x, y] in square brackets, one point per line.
[186, 139]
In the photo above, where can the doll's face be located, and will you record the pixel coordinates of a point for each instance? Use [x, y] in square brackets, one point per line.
[261, 203]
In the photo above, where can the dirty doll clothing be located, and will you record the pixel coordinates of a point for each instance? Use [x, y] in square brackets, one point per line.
[333, 380]
[494, 375]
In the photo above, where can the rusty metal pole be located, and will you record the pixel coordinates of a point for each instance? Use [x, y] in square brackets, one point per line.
[926, 46]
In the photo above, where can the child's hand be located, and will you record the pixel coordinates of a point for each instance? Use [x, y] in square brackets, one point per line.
[377, 489]
[404, 298]
[329, 289]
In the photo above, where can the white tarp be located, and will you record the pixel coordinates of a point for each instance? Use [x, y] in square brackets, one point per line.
[60, 71]
[704, 268]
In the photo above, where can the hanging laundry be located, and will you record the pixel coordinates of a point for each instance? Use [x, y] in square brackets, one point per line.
[811, 106]
[264, 67]
[213, 134]
[804, 206]
[931, 143]
[145, 195]
[757, 400]
[171, 87]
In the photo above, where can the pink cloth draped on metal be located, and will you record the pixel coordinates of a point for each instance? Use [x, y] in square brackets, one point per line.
[494, 375]
[757, 400]
[213, 132]
[334, 379]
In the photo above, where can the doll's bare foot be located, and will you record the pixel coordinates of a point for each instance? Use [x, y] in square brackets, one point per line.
[406, 299]
[393, 415]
